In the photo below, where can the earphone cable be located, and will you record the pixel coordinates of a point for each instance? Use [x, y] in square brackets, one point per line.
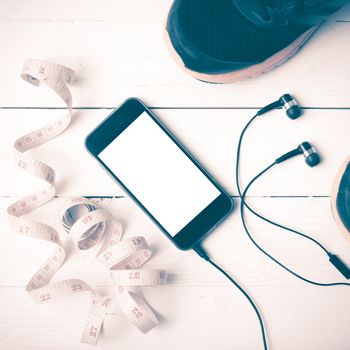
[264, 251]
[239, 151]
[202, 253]
[252, 210]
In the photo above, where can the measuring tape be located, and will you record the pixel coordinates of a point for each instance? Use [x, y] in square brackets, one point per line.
[121, 257]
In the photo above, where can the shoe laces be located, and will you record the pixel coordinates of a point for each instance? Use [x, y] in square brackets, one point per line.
[280, 4]
[295, 7]
[283, 11]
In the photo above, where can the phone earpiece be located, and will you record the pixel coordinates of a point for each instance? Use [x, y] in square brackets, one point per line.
[307, 150]
[288, 103]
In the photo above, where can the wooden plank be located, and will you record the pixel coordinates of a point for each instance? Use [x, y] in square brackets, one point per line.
[87, 10]
[212, 137]
[228, 245]
[197, 298]
[190, 317]
[117, 49]
[118, 59]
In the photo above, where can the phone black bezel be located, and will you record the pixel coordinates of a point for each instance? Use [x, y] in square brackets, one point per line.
[114, 125]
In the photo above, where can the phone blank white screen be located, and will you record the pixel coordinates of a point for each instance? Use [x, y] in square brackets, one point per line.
[159, 174]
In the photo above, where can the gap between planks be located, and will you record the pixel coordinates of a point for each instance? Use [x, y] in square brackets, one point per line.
[235, 197]
[168, 108]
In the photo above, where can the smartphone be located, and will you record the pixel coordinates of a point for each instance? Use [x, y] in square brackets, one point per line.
[140, 153]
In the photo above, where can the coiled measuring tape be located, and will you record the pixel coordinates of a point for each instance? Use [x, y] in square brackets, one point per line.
[121, 257]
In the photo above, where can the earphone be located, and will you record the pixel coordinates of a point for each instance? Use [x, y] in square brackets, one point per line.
[288, 103]
[312, 159]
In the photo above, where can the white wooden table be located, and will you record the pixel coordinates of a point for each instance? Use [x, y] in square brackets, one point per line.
[117, 50]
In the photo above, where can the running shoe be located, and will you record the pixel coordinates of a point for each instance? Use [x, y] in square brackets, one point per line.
[340, 198]
[223, 41]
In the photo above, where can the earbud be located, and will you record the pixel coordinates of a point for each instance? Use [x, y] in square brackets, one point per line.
[288, 103]
[291, 106]
[311, 156]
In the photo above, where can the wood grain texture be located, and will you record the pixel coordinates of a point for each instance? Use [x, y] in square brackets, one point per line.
[197, 298]
[212, 137]
[191, 317]
[229, 244]
[117, 50]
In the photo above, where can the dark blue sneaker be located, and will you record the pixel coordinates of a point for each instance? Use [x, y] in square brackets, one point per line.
[224, 41]
[341, 198]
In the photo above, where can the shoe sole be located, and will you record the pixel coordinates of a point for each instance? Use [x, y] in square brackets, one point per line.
[250, 72]
[334, 194]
